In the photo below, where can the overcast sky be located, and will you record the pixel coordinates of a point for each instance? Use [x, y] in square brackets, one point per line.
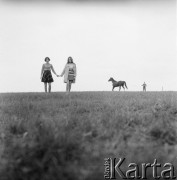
[131, 40]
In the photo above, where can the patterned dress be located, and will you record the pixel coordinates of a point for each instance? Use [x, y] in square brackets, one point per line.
[69, 70]
[47, 77]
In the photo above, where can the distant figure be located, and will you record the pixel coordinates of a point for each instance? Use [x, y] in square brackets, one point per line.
[144, 86]
[117, 84]
[46, 76]
[69, 73]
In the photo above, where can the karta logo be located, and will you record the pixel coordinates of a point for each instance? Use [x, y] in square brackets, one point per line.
[114, 169]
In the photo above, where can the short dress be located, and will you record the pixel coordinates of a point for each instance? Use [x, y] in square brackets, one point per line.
[71, 73]
[47, 77]
[69, 69]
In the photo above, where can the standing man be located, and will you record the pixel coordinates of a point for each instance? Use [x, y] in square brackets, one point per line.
[144, 86]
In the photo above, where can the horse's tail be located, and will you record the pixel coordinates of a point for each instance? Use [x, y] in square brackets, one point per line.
[126, 85]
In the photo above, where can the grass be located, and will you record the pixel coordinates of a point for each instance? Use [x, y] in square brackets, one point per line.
[58, 136]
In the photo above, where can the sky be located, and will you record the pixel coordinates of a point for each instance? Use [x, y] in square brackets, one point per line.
[130, 40]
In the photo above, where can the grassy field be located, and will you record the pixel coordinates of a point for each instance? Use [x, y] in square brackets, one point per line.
[58, 136]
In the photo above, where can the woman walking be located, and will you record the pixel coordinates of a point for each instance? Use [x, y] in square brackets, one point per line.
[46, 75]
[69, 73]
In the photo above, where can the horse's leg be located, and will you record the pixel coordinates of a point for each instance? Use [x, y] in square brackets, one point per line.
[123, 87]
[113, 88]
[119, 88]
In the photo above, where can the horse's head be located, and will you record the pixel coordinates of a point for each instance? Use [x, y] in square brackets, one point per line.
[111, 79]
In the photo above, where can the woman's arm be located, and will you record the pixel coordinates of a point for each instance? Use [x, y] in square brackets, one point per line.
[53, 70]
[75, 70]
[63, 71]
[42, 70]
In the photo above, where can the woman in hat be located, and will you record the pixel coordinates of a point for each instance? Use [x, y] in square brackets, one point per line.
[69, 73]
[46, 75]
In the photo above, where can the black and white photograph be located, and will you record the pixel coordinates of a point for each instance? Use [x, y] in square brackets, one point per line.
[88, 89]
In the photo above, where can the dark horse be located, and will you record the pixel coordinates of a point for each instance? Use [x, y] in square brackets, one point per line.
[117, 84]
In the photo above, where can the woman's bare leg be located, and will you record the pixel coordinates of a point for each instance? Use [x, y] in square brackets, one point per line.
[49, 87]
[70, 86]
[45, 87]
[67, 86]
